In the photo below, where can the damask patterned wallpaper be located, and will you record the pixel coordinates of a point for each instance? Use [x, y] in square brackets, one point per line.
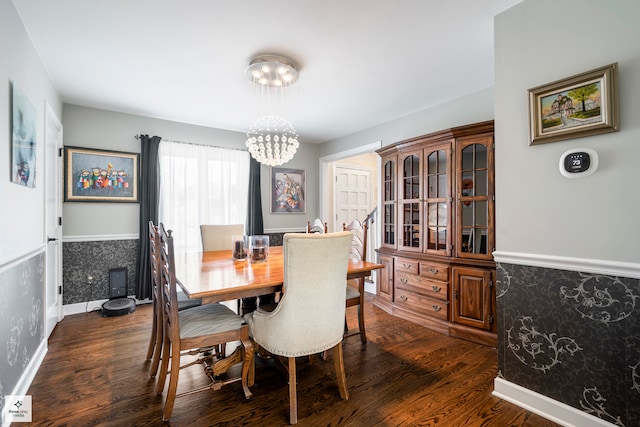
[574, 337]
[95, 259]
[22, 308]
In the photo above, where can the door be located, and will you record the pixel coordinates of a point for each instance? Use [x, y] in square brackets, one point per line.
[473, 297]
[352, 195]
[53, 219]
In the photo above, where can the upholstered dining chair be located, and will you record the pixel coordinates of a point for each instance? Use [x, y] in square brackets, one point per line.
[317, 226]
[309, 318]
[204, 326]
[355, 287]
[217, 237]
[184, 302]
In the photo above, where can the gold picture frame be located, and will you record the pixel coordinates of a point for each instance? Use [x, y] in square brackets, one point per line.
[582, 105]
[92, 175]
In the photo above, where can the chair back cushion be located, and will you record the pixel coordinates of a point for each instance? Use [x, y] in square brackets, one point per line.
[218, 237]
[310, 315]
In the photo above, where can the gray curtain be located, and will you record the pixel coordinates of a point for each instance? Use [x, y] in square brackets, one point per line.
[254, 223]
[149, 192]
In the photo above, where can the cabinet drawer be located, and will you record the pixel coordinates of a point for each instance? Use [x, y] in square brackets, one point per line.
[406, 265]
[421, 304]
[422, 285]
[434, 271]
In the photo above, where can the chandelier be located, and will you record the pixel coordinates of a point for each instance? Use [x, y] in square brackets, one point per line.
[271, 139]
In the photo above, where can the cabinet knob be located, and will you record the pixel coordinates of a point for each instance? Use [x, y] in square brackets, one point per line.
[433, 270]
[407, 266]
[403, 280]
[436, 307]
[403, 298]
[436, 288]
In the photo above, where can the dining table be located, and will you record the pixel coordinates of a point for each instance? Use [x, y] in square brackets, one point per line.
[214, 276]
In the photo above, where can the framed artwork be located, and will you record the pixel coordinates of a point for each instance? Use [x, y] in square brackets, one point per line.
[287, 190]
[100, 176]
[581, 105]
[23, 135]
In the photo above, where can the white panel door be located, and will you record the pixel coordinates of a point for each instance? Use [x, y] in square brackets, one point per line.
[53, 215]
[352, 195]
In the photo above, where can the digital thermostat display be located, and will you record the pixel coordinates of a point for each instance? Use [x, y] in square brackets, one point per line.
[578, 162]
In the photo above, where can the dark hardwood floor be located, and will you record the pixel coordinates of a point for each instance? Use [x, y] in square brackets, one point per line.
[94, 374]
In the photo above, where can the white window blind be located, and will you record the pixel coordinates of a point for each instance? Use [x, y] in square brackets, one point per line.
[201, 185]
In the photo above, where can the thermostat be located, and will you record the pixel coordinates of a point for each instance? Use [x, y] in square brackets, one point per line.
[578, 162]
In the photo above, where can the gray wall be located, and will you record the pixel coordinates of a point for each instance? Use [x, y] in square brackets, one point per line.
[472, 108]
[538, 210]
[568, 250]
[22, 235]
[95, 128]
[21, 214]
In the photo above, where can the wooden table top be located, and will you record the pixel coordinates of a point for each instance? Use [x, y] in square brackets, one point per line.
[214, 276]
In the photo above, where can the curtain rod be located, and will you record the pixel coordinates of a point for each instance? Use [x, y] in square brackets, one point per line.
[201, 145]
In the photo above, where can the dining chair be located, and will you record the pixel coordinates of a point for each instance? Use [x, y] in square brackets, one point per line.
[309, 318]
[184, 302]
[216, 237]
[317, 227]
[355, 287]
[200, 327]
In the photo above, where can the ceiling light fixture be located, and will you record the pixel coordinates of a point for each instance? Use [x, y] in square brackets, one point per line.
[272, 71]
[272, 140]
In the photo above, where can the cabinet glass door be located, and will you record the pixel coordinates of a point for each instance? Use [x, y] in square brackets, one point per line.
[438, 199]
[410, 208]
[475, 199]
[389, 202]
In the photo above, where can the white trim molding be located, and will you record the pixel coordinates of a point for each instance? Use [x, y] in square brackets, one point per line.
[95, 305]
[286, 230]
[22, 387]
[544, 406]
[614, 268]
[99, 238]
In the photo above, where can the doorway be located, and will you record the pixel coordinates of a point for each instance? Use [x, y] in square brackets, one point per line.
[356, 163]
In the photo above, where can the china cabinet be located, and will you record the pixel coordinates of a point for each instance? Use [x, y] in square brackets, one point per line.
[437, 232]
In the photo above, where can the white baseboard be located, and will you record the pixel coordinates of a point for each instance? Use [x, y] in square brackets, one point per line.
[89, 306]
[544, 406]
[82, 307]
[22, 387]
[369, 287]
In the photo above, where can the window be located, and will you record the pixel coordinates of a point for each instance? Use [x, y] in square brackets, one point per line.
[201, 185]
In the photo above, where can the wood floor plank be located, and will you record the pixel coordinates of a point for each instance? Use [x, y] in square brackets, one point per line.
[94, 374]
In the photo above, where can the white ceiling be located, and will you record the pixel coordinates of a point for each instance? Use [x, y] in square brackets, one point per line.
[361, 62]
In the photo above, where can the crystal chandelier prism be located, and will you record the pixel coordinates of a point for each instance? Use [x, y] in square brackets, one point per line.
[272, 140]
